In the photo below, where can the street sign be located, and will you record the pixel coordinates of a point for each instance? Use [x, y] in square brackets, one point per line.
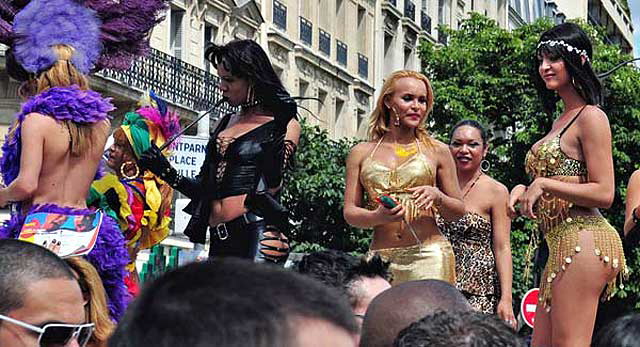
[528, 306]
[188, 155]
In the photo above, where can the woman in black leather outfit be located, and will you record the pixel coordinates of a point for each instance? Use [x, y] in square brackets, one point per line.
[234, 196]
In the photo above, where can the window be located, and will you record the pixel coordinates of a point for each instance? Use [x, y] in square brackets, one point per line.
[363, 66]
[409, 9]
[279, 15]
[210, 33]
[324, 43]
[306, 31]
[175, 32]
[341, 53]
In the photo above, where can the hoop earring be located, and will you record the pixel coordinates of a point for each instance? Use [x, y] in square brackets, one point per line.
[485, 165]
[123, 170]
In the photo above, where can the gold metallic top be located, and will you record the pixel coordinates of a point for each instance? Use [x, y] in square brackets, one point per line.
[550, 161]
[377, 179]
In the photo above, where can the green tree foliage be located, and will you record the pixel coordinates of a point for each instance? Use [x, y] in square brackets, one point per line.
[484, 73]
[314, 194]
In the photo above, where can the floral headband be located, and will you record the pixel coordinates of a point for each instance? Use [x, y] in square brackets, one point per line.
[570, 48]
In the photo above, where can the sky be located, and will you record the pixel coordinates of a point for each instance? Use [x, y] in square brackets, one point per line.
[635, 18]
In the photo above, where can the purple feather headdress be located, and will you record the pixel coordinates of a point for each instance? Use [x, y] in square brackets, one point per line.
[44, 23]
[124, 29]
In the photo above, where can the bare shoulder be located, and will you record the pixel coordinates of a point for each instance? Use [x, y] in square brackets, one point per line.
[439, 147]
[635, 178]
[38, 119]
[441, 150]
[593, 118]
[359, 151]
[496, 188]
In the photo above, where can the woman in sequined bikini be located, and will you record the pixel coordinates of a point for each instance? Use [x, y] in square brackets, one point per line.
[572, 173]
[403, 161]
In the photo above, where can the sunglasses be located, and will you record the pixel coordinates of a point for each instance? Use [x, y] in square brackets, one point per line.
[57, 335]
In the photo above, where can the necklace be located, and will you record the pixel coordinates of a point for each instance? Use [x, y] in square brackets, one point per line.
[407, 150]
[471, 186]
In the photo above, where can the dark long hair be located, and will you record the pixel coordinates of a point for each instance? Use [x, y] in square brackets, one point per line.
[246, 59]
[584, 79]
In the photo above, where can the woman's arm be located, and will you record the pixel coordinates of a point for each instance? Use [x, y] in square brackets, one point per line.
[34, 126]
[353, 212]
[594, 135]
[451, 206]
[632, 202]
[501, 225]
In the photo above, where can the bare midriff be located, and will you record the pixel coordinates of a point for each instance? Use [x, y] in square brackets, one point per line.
[398, 234]
[227, 209]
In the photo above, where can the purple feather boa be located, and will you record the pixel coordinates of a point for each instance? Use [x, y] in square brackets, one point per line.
[109, 256]
[61, 103]
[44, 23]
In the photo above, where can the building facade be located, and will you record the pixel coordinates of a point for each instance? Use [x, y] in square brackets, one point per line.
[337, 52]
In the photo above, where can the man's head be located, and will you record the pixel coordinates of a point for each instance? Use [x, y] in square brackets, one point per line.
[464, 329]
[358, 279]
[398, 307]
[37, 288]
[231, 302]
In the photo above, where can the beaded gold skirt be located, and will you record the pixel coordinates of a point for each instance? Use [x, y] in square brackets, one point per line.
[430, 260]
[563, 241]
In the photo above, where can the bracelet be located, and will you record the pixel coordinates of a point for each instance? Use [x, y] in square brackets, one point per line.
[634, 217]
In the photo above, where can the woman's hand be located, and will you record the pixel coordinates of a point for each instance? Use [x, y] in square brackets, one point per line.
[153, 160]
[514, 198]
[505, 312]
[530, 197]
[388, 215]
[426, 196]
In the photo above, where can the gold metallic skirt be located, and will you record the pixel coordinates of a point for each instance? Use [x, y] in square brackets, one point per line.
[430, 260]
[563, 241]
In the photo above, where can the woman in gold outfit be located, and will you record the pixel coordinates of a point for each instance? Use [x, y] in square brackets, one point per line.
[401, 160]
[572, 172]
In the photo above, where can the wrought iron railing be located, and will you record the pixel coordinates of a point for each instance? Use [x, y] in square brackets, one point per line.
[173, 79]
[306, 31]
[363, 66]
[324, 42]
[425, 21]
[280, 15]
[341, 52]
[410, 9]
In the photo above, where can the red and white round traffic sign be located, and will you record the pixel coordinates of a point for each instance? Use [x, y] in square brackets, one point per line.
[528, 306]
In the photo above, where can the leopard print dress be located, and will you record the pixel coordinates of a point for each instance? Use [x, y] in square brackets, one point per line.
[477, 277]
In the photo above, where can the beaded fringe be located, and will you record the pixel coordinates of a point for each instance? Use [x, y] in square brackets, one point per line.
[563, 241]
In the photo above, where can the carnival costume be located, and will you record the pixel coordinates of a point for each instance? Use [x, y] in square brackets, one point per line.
[561, 229]
[425, 260]
[142, 203]
[99, 38]
[109, 255]
[476, 276]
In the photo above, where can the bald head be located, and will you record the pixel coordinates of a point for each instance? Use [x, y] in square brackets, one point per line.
[398, 307]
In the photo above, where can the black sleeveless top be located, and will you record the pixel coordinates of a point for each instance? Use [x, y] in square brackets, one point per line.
[255, 155]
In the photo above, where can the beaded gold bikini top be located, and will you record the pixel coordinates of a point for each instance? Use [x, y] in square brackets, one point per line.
[547, 161]
[377, 179]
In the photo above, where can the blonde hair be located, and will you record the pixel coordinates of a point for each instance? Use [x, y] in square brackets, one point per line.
[96, 308]
[381, 116]
[63, 74]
